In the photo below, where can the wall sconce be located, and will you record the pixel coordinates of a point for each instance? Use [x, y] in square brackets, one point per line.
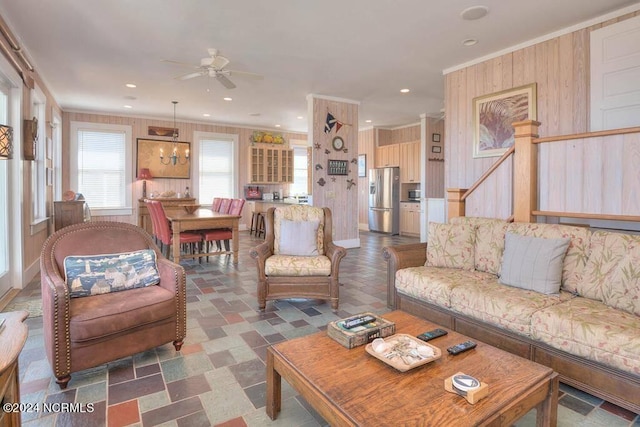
[143, 175]
[6, 142]
[174, 158]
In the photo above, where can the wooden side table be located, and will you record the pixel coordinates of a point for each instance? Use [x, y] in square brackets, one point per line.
[12, 338]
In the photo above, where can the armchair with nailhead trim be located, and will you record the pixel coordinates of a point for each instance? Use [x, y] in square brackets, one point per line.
[81, 333]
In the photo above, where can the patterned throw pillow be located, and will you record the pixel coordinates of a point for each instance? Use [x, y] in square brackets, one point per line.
[100, 274]
[533, 263]
[451, 246]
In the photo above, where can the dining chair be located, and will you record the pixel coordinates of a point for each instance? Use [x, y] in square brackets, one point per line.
[164, 231]
[217, 201]
[223, 234]
[225, 205]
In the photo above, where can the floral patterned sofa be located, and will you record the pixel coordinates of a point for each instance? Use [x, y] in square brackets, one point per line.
[588, 330]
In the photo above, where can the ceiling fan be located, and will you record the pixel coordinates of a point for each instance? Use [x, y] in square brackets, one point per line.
[213, 66]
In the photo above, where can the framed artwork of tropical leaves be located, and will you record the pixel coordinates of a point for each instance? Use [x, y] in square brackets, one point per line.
[493, 116]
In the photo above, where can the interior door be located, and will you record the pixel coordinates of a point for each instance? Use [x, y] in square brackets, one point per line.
[615, 75]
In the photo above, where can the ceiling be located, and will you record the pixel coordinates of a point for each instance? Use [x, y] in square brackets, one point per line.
[361, 50]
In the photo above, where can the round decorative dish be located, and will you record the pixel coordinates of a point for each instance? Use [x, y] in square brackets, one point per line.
[68, 195]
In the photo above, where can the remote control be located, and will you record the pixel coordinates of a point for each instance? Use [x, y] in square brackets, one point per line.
[358, 321]
[426, 336]
[459, 348]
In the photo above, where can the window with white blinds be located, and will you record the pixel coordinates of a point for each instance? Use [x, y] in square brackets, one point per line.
[101, 167]
[217, 170]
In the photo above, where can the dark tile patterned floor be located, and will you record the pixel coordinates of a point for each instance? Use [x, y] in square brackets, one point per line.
[219, 376]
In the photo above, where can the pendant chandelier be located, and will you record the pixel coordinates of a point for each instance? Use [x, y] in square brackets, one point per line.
[175, 158]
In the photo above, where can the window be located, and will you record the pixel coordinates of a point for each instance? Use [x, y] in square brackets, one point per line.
[100, 166]
[38, 183]
[216, 170]
[300, 169]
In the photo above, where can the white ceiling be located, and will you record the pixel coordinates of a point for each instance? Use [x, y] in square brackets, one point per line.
[362, 50]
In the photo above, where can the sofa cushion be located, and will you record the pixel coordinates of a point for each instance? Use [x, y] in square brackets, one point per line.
[450, 245]
[489, 241]
[577, 253]
[612, 274]
[299, 238]
[593, 330]
[100, 316]
[298, 213]
[533, 263]
[99, 274]
[500, 305]
[285, 265]
[434, 284]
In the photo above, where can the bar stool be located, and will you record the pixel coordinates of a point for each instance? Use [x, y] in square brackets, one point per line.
[255, 222]
[260, 225]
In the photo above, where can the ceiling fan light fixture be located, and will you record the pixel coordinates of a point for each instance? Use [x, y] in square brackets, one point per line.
[474, 12]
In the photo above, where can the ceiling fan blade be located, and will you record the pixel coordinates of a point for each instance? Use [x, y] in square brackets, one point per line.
[219, 62]
[225, 81]
[190, 75]
[245, 74]
[179, 63]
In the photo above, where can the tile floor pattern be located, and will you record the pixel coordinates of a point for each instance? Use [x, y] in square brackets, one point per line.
[219, 377]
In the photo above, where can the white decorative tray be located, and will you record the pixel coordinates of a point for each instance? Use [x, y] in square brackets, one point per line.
[405, 352]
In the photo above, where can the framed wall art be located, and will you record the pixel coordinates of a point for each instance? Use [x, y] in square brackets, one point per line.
[158, 157]
[436, 149]
[493, 116]
[435, 137]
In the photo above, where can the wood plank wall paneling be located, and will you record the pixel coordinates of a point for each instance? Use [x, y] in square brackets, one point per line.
[186, 130]
[570, 173]
[335, 193]
[366, 146]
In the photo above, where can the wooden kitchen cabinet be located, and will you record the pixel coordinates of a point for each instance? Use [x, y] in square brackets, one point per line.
[410, 162]
[270, 165]
[387, 156]
[68, 213]
[410, 219]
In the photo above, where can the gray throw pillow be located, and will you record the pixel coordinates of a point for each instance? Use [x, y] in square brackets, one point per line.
[533, 263]
[299, 238]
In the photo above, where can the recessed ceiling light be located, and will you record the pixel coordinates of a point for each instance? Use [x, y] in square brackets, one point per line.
[206, 114]
[131, 85]
[127, 106]
[226, 98]
[277, 126]
[131, 98]
[404, 90]
[367, 121]
[254, 114]
[474, 12]
[300, 117]
[469, 42]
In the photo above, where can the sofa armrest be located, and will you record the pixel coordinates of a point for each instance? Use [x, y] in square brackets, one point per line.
[335, 254]
[173, 279]
[398, 257]
[260, 253]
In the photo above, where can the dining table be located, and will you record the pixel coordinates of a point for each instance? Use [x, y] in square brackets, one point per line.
[200, 220]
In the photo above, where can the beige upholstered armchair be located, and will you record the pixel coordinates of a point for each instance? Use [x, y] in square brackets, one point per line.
[90, 318]
[298, 257]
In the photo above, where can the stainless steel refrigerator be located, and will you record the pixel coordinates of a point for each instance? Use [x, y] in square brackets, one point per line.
[384, 200]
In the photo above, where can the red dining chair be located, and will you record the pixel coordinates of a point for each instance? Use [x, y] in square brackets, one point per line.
[225, 205]
[164, 231]
[219, 234]
[217, 201]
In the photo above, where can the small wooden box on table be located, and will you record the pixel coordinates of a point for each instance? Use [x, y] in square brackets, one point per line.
[343, 385]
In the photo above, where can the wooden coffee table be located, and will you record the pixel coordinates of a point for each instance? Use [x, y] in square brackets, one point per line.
[348, 387]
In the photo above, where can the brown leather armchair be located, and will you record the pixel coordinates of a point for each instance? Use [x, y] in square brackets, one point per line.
[81, 333]
[283, 275]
